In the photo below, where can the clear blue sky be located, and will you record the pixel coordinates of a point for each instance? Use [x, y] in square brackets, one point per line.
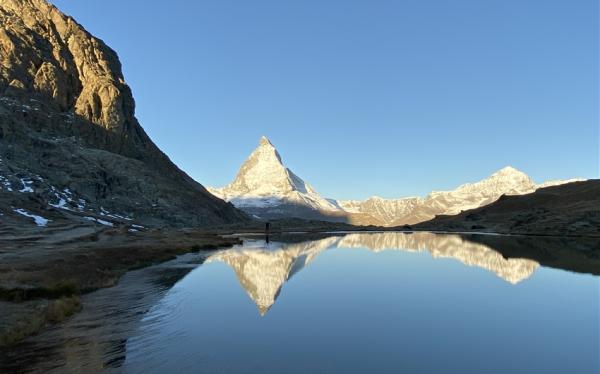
[392, 98]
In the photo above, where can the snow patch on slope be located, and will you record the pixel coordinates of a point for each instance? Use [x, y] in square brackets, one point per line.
[26, 186]
[39, 220]
[100, 221]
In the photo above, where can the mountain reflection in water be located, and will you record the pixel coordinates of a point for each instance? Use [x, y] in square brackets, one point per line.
[262, 268]
[190, 311]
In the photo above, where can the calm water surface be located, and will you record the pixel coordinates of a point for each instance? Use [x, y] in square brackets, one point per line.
[357, 303]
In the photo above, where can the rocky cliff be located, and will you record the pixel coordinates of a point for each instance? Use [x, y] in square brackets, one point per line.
[70, 143]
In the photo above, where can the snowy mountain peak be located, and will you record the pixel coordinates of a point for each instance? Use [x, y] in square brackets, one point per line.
[508, 172]
[506, 181]
[264, 141]
[263, 173]
[264, 182]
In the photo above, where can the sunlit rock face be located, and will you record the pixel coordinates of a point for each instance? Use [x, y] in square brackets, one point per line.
[262, 271]
[47, 53]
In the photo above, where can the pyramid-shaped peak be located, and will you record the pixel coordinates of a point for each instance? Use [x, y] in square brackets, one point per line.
[264, 141]
[262, 174]
[264, 181]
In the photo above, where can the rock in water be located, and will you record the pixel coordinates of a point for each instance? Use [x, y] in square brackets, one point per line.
[68, 130]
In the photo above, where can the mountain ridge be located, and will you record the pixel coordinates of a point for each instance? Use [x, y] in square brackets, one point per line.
[266, 189]
[506, 181]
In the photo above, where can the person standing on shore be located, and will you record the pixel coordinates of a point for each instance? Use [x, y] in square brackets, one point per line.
[267, 231]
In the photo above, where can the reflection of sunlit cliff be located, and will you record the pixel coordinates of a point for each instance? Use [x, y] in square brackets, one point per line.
[513, 270]
[262, 271]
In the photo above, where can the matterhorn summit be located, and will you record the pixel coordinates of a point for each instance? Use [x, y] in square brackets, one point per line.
[264, 187]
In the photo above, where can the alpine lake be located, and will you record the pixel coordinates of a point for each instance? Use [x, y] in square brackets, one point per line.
[384, 302]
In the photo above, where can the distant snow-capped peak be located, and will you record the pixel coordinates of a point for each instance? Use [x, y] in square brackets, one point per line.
[506, 181]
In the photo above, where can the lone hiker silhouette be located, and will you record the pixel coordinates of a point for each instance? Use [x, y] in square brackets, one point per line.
[267, 230]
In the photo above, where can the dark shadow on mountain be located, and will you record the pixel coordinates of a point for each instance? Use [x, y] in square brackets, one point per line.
[298, 211]
[119, 170]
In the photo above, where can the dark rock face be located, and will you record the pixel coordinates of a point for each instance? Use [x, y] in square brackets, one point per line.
[67, 122]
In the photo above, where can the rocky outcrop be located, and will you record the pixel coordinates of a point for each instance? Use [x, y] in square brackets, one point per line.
[67, 122]
[49, 55]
